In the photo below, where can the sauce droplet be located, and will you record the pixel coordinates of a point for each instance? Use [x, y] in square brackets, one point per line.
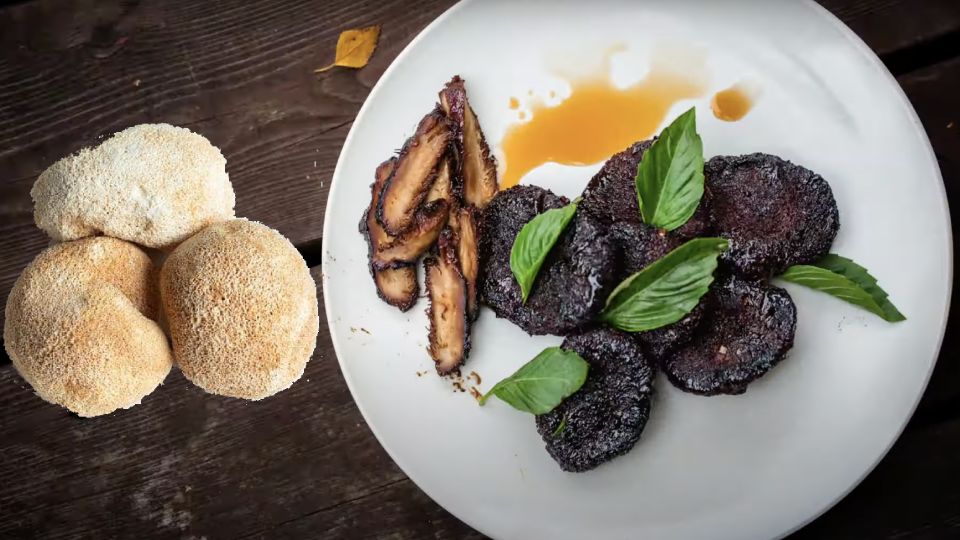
[596, 121]
[732, 104]
[522, 114]
[514, 103]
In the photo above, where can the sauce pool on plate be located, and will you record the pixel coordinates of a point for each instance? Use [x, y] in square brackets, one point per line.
[595, 121]
[733, 103]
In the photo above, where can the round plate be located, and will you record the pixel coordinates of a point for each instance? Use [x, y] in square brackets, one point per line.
[753, 466]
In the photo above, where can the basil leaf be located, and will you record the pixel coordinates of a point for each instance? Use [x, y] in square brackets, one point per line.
[542, 383]
[669, 180]
[561, 428]
[534, 242]
[665, 291]
[841, 277]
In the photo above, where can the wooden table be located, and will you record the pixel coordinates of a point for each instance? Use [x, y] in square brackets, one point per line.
[303, 464]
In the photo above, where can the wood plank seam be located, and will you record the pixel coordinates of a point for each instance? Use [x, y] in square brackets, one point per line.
[369, 493]
[923, 54]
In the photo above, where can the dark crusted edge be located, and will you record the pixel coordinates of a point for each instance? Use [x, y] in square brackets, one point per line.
[456, 105]
[473, 310]
[741, 387]
[429, 220]
[429, 122]
[403, 304]
[446, 255]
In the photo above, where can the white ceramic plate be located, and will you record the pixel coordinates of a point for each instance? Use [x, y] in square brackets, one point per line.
[753, 466]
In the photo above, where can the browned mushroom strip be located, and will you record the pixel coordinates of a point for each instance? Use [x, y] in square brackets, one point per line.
[369, 227]
[398, 286]
[447, 291]
[413, 174]
[416, 240]
[395, 286]
[442, 187]
[478, 166]
[468, 253]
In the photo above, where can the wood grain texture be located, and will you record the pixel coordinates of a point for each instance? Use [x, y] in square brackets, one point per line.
[933, 92]
[895, 27]
[911, 495]
[238, 72]
[185, 464]
[188, 464]
[241, 73]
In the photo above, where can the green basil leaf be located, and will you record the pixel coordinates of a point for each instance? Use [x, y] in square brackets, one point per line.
[665, 291]
[669, 180]
[542, 383]
[841, 277]
[560, 428]
[534, 242]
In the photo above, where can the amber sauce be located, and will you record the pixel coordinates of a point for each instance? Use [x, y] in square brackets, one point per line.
[733, 103]
[594, 122]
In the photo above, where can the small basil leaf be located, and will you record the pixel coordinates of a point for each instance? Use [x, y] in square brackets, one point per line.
[665, 291]
[560, 428]
[542, 383]
[669, 180]
[534, 242]
[841, 277]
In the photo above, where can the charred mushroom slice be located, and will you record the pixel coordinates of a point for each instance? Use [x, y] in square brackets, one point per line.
[478, 166]
[572, 285]
[413, 175]
[447, 291]
[398, 286]
[605, 417]
[641, 245]
[465, 221]
[611, 195]
[417, 239]
[775, 214]
[748, 329]
[395, 286]
[611, 198]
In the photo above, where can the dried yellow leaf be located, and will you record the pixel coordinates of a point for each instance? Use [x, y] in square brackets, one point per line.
[354, 47]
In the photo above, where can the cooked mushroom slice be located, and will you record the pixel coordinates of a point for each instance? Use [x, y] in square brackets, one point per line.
[413, 174]
[478, 167]
[748, 330]
[442, 187]
[605, 417]
[464, 222]
[447, 290]
[574, 281]
[416, 240]
[396, 286]
[369, 226]
[775, 214]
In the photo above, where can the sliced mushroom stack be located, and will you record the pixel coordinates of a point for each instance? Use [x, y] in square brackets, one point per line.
[433, 190]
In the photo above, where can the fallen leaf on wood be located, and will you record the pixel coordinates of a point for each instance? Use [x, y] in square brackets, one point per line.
[354, 48]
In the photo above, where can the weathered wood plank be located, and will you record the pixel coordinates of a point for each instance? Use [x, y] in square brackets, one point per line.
[238, 72]
[185, 464]
[933, 93]
[241, 74]
[897, 30]
[912, 494]
[396, 510]
[188, 463]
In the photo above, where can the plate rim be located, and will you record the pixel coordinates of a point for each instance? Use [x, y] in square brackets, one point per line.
[860, 47]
